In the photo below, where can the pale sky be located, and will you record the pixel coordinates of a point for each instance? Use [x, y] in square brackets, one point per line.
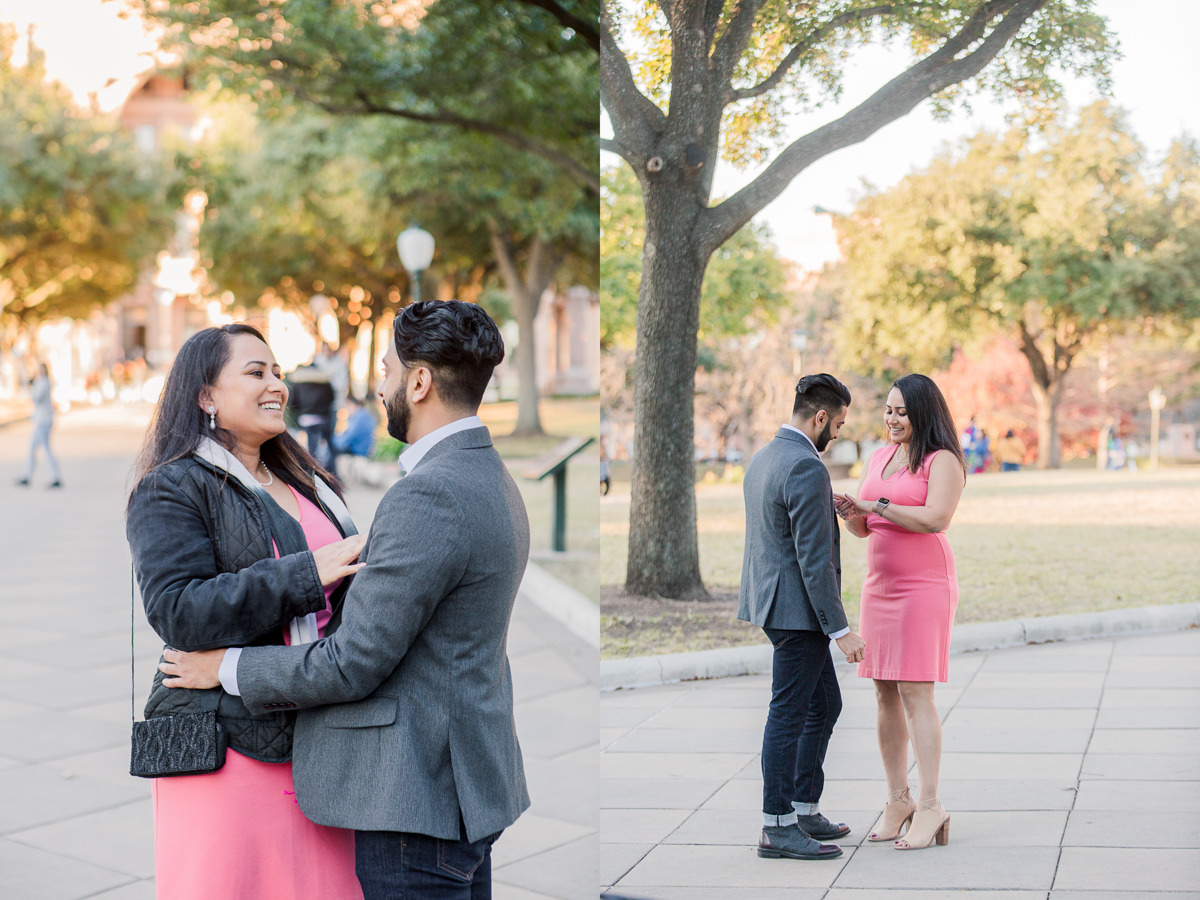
[1153, 82]
[86, 44]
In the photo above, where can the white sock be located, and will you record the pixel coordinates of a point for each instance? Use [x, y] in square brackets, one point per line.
[779, 821]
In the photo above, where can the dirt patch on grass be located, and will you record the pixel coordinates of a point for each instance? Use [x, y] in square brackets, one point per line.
[643, 626]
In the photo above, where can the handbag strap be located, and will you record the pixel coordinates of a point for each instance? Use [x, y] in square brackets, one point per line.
[207, 701]
[132, 654]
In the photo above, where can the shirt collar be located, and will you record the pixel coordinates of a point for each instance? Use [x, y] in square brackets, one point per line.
[415, 452]
[791, 427]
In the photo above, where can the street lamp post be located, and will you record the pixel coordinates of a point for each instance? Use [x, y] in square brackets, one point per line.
[1157, 401]
[799, 345]
[415, 246]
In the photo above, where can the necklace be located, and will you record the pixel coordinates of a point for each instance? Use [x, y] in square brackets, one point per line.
[269, 475]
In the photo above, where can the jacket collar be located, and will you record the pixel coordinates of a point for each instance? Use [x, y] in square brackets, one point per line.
[469, 439]
[788, 434]
[220, 458]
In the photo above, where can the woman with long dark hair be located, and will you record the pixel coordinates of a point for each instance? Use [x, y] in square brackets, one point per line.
[238, 537]
[907, 495]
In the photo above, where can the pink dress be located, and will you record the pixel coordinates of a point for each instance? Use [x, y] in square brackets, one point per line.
[911, 589]
[238, 833]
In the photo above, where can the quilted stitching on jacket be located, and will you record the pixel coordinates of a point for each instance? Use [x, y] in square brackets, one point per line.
[240, 537]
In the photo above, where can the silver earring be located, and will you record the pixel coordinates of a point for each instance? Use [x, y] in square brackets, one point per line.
[212, 418]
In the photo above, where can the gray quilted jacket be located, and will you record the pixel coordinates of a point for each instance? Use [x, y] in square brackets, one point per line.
[201, 539]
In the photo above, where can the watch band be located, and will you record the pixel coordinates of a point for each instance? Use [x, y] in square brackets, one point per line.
[880, 505]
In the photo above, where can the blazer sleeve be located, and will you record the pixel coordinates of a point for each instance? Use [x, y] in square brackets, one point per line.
[810, 509]
[415, 555]
[189, 602]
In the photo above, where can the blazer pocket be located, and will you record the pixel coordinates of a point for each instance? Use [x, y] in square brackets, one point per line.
[370, 713]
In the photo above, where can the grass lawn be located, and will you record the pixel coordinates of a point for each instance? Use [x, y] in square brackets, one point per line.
[562, 417]
[1029, 543]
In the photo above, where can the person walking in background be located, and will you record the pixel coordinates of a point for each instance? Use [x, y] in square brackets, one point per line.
[42, 393]
[408, 733]
[981, 454]
[358, 437]
[791, 587]
[237, 536]
[313, 396]
[334, 362]
[1010, 452]
[906, 497]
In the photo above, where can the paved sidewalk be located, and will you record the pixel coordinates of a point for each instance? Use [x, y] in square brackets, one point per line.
[73, 823]
[1071, 771]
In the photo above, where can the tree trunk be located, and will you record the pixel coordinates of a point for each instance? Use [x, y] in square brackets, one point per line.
[1046, 399]
[1047, 391]
[526, 291]
[528, 417]
[664, 557]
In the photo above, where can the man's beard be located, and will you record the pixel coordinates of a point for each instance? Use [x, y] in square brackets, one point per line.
[821, 442]
[398, 413]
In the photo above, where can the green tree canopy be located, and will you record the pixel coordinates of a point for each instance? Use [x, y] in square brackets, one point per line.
[1047, 240]
[81, 211]
[685, 82]
[523, 73]
[305, 203]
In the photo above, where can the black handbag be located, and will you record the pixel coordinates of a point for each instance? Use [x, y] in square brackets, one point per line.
[183, 744]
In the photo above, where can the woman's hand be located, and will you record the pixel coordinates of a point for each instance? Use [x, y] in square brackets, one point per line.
[197, 670]
[339, 559]
[849, 507]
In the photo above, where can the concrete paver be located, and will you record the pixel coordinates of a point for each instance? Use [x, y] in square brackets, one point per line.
[73, 823]
[1070, 770]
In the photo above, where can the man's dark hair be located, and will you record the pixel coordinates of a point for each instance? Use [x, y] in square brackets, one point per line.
[458, 342]
[822, 391]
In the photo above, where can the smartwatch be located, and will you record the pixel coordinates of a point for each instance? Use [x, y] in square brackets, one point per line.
[880, 505]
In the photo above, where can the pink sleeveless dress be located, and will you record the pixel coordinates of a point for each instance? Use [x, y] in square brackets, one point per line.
[911, 589]
[238, 833]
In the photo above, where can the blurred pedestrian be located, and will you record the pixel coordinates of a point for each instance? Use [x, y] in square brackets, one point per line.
[981, 454]
[358, 437]
[906, 497]
[237, 536]
[334, 362]
[313, 397]
[42, 393]
[1010, 452]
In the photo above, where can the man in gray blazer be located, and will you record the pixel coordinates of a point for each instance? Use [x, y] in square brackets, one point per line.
[792, 588]
[407, 734]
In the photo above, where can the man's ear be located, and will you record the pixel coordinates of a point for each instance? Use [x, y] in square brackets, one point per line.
[420, 383]
[820, 418]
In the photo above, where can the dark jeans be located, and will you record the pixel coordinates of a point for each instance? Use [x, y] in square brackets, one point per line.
[396, 865]
[805, 704]
[322, 434]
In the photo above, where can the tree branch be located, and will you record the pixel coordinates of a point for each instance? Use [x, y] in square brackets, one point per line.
[581, 26]
[636, 119]
[733, 41]
[584, 175]
[893, 101]
[816, 36]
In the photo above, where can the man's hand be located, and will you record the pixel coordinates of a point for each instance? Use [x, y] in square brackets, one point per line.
[196, 670]
[852, 645]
